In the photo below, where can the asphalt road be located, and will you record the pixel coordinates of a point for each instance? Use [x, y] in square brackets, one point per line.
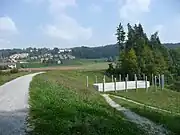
[14, 105]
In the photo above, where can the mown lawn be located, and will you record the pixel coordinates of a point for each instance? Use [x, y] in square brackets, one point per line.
[6, 77]
[169, 121]
[164, 99]
[60, 104]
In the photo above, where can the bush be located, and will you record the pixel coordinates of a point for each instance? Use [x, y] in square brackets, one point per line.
[1, 72]
[14, 70]
[175, 86]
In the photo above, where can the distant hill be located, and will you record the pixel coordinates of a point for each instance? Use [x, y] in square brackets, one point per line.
[95, 52]
[104, 51]
[83, 52]
[172, 45]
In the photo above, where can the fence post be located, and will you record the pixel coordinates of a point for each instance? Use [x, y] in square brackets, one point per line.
[115, 84]
[146, 84]
[159, 80]
[144, 77]
[136, 81]
[152, 80]
[162, 82]
[87, 82]
[96, 78]
[120, 77]
[155, 83]
[104, 78]
[103, 84]
[126, 79]
[112, 77]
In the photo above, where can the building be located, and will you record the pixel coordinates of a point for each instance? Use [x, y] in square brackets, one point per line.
[9, 65]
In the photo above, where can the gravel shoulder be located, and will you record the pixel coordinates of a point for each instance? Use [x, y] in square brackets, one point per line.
[14, 105]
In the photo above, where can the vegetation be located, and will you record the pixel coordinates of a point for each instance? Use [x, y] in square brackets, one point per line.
[6, 76]
[168, 120]
[166, 99]
[60, 104]
[142, 55]
[75, 62]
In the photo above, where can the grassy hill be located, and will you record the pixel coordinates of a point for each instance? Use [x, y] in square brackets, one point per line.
[60, 104]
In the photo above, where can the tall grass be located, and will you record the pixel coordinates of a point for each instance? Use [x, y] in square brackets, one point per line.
[7, 76]
[60, 104]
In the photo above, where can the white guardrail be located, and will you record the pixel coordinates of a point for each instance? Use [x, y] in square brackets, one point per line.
[120, 85]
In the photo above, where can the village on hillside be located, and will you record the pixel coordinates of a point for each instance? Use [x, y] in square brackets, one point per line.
[35, 55]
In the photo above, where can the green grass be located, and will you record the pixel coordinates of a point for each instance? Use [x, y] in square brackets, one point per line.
[96, 66]
[166, 99]
[8, 77]
[168, 120]
[60, 104]
[75, 62]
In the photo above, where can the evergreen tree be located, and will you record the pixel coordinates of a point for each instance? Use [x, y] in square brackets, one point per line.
[140, 55]
[120, 37]
[129, 63]
[120, 41]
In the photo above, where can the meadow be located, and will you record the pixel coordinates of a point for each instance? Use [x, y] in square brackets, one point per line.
[75, 62]
[7, 76]
[61, 104]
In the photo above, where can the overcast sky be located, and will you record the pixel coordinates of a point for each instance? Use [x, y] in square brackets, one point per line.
[69, 23]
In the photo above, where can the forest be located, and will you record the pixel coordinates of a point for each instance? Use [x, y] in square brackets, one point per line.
[140, 55]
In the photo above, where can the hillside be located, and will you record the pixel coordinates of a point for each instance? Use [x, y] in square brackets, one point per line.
[95, 52]
[104, 51]
[172, 45]
[83, 52]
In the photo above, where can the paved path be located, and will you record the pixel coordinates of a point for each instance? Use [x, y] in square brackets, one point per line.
[14, 105]
[150, 127]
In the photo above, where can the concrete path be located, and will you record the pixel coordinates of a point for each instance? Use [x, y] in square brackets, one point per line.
[14, 105]
[147, 125]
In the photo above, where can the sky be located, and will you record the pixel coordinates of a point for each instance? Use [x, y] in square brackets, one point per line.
[70, 23]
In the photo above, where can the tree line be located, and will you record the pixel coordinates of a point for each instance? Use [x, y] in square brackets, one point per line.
[140, 55]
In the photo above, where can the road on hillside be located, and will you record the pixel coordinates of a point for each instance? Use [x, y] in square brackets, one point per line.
[14, 105]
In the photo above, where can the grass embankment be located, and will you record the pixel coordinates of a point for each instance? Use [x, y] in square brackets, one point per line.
[60, 104]
[166, 99]
[6, 77]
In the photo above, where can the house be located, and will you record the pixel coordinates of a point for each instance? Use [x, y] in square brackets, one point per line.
[9, 65]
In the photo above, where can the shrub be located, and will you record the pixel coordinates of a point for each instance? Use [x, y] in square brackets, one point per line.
[1, 72]
[175, 86]
[14, 70]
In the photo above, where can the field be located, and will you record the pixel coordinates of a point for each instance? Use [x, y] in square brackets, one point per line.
[89, 66]
[76, 62]
[8, 77]
[168, 100]
[60, 104]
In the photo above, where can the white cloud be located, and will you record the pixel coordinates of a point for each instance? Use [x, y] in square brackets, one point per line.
[68, 29]
[95, 8]
[59, 6]
[65, 27]
[7, 25]
[169, 32]
[130, 10]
